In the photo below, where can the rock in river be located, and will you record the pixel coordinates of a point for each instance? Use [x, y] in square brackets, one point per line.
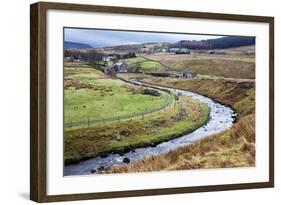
[126, 160]
[101, 168]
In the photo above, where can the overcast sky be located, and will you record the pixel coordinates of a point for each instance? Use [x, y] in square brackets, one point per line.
[102, 38]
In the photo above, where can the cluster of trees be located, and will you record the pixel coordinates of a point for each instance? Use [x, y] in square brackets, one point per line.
[219, 43]
[91, 56]
[94, 57]
[76, 54]
[191, 44]
[123, 56]
[129, 55]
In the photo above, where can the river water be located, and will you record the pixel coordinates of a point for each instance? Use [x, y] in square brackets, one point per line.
[221, 118]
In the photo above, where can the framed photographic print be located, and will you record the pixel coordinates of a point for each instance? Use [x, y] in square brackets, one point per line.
[134, 102]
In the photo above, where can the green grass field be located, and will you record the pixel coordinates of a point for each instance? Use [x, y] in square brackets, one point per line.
[144, 64]
[79, 70]
[135, 60]
[109, 98]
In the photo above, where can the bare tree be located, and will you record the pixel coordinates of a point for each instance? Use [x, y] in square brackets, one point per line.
[95, 57]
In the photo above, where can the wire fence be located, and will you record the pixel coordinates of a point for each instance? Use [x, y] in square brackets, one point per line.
[89, 121]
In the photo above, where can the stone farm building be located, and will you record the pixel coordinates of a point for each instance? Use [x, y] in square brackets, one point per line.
[120, 67]
[116, 68]
[186, 74]
[109, 58]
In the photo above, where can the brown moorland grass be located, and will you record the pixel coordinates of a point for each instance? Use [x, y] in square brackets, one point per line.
[241, 49]
[219, 67]
[171, 59]
[229, 66]
[232, 148]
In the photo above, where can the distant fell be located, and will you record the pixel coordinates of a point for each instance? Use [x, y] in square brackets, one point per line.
[219, 43]
[70, 44]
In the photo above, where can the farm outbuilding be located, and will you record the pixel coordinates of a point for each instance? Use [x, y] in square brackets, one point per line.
[116, 68]
[109, 58]
[120, 67]
[187, 74]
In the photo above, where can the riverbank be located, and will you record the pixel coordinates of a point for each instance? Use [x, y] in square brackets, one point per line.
[238, 94]
[228, 149]
[234, 147]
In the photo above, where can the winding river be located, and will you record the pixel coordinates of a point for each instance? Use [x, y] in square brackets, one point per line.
[221, 118]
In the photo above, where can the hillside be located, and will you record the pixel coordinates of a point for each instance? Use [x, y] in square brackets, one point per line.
[137, 48]
[219, 43]
[70, 44]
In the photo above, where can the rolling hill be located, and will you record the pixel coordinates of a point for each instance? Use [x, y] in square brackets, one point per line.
[218, 43]
[70, 44]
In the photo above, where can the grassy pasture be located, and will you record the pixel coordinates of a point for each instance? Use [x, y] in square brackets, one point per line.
[79, 70]
[108, 98]
[134, 60]
[144, 64]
